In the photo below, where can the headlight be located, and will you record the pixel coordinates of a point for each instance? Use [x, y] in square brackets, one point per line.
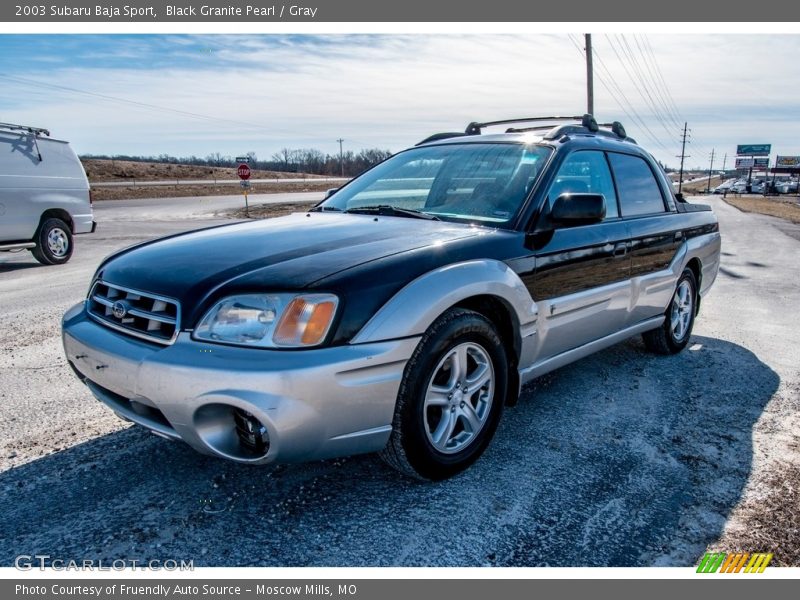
[269, 320]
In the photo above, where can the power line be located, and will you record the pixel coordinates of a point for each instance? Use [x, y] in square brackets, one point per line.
[661, 78]
[641, 120]
[629, 53]
[655, 81]
[633, 115]
[645, 95]
[600, 79]
[118, 100]
[646, 49]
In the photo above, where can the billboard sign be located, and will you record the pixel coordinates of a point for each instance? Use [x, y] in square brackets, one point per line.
[745, 163]
[790, 162]
[753, 149]
[761, 163]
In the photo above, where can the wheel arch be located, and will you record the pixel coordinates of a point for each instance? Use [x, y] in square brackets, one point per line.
[696, 267]
[58, 213]
[489, 287]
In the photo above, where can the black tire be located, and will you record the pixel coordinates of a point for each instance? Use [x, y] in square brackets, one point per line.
[410, 449]
[665, 339]
[53, 242]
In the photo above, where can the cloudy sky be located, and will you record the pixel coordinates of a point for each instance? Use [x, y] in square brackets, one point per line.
[199, 94]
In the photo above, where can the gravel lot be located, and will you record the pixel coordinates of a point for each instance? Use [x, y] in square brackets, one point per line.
[623, 458]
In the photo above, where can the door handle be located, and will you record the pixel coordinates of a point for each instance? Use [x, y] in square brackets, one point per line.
[678, 236]
[620, 250]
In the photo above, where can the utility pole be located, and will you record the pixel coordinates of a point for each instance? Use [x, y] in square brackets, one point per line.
[341, 156]
[589, 76]
[710, 170]
[724, 161]
[683, 156]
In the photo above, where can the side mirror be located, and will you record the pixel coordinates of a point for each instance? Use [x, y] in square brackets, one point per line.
[578, 209]
[331, 192]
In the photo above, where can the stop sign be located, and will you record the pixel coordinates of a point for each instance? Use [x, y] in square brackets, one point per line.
[243, 171]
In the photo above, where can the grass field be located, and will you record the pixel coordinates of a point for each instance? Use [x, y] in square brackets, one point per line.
[786, 207]
[122, 170]
[103, 170]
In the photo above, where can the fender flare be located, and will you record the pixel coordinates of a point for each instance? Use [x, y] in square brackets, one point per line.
[415, 307]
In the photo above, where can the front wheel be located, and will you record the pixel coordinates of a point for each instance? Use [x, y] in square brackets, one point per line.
[451, 397]
[674, 334]
[53, 242]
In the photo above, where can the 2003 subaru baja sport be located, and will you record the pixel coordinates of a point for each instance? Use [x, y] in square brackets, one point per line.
[403, 312]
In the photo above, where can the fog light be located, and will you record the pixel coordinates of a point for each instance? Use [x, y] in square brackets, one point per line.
[252, 432]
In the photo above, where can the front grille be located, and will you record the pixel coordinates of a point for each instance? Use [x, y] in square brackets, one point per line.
[139, 314]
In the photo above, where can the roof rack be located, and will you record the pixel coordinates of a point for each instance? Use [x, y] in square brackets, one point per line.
[587, 124]
[25, 128]
[35, 131]
[586, 120]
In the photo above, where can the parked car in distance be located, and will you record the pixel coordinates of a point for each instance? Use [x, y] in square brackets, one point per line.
[406, 310]
[44, 194]
[725, 186]
[755, 186]
[786, 187]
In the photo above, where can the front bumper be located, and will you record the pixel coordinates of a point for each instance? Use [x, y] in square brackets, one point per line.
[314, 404]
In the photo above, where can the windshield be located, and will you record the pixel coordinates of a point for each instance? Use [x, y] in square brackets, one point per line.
[474, 182]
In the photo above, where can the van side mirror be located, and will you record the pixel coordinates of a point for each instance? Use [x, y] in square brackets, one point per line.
[578, 209]
[330, 192]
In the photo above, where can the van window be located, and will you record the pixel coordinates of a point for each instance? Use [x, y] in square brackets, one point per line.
[639, 193]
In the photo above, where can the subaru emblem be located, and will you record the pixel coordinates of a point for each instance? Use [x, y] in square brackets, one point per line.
[119, 309]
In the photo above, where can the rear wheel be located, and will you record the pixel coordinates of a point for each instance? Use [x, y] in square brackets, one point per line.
[53, 242]
[451, 397]
[674, 334]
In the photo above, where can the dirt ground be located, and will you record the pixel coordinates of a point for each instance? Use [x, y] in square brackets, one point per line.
[699, 187]
[117, 170]
[768, 522]
[266, 211]
[784, 207]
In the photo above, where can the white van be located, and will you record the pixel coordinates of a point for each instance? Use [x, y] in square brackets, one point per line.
[44, 194]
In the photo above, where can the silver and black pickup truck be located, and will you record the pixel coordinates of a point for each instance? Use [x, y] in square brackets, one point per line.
[407, 309]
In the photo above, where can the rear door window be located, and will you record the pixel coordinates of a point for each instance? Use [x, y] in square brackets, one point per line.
[638, 189]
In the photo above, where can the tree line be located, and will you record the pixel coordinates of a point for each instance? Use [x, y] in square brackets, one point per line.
[287, 160]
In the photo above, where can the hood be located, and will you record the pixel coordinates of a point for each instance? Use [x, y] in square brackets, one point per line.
[285, 253]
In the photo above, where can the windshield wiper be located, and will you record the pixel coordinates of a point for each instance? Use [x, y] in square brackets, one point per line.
[322, 208]
[392, 211]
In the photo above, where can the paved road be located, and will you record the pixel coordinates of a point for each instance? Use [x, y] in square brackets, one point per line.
[195, 207]
[150, 183]
[623, 458]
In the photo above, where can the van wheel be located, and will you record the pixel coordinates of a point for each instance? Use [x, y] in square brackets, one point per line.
[450, 399]
[674, 334]
[53, 242]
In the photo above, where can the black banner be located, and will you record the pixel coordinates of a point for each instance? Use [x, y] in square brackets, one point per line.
[376, 589]
[463, 11]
